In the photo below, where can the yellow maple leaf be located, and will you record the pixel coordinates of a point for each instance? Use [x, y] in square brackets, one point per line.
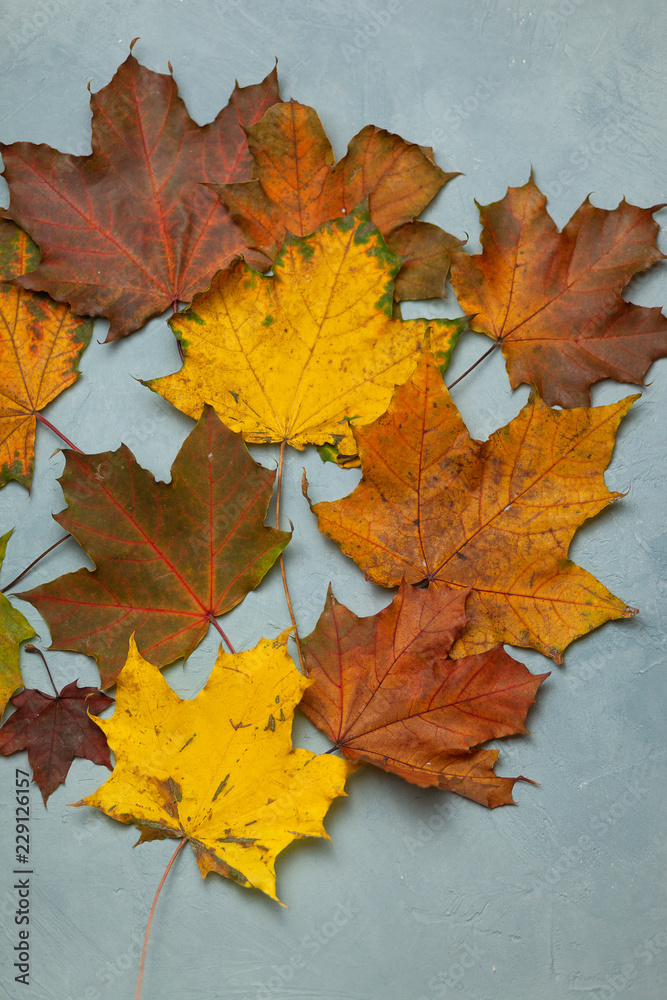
[298, 355]
[219, 769]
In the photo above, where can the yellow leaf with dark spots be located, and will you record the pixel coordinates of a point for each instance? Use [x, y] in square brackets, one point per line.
[219, 770]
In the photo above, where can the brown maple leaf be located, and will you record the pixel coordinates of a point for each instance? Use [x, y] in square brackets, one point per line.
[56, 729]
[386, 692]
[497, 516]
[553, 300]
[170, 557]
[296, 188]
[131, 229]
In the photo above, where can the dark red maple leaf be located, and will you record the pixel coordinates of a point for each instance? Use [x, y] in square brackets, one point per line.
[55, 729]
[131, 228]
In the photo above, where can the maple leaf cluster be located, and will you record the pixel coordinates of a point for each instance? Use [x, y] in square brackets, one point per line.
[475, 535]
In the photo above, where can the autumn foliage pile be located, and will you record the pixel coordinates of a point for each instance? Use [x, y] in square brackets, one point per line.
[293, 266]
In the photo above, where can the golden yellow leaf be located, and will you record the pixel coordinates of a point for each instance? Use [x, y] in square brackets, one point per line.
[218, 769]
[299, 355]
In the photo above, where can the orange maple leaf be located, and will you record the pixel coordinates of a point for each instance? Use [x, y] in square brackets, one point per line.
[498, 516]
[297, 188]
[553, 300]
[40, 344]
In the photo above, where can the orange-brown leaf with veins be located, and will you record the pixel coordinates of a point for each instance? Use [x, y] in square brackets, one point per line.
[40, 344]
[496, 516]
[553, 300]
[386, 692]
[296, 188]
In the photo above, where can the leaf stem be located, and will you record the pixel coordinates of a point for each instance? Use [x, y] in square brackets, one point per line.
[174, 309]
[35, 649]
[279, 488]
[3, 590]
[456, 381]
[150, 917]
[47, 423]
[213, 620]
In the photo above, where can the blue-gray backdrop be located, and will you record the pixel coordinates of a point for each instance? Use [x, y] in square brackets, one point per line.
[418, 895]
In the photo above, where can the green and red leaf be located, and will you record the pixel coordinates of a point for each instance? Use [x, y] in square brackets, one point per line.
[170, 557]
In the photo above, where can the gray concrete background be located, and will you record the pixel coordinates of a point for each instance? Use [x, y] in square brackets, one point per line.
[418, 896]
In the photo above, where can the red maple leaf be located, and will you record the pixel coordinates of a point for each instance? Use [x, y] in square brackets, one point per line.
[386, 692]
[131, 228]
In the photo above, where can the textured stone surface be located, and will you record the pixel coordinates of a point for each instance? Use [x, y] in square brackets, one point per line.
[419, 895]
